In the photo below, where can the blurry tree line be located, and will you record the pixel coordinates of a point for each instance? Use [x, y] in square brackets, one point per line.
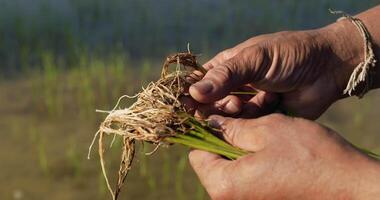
[70, 29]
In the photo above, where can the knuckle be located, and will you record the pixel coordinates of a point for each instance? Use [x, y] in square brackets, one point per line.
[253, 61]
[232, 128]
[226, 54]
[275, 118]
[223, 72]
[249, 54]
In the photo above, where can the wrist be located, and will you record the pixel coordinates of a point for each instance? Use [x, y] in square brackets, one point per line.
[346, 49]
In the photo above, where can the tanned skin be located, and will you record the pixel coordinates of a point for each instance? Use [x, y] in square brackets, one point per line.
[302, 72]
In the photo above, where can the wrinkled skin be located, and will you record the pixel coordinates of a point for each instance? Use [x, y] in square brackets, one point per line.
[292, 64]
[294, 159]
[301, 72]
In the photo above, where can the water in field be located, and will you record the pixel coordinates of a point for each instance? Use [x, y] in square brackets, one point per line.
[61, 59]
[47, 126]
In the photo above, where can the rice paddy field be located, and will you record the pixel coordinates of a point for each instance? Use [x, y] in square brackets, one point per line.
[62, 59]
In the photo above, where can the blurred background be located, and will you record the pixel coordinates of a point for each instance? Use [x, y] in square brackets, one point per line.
[62, 59]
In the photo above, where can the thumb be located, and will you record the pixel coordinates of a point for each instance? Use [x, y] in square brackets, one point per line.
[212, 172]
[246, 134]
[245, 67]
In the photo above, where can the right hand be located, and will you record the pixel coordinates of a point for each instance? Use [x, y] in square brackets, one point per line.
[309, 69]
[294, 159]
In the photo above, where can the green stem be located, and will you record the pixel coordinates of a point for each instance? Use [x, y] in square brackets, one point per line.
[203, 145]
[215, 141]
[207, 136]
[229, 148]
[199, 133]
[201, 138]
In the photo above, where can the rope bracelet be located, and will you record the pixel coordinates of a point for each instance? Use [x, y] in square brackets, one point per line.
[363, 71]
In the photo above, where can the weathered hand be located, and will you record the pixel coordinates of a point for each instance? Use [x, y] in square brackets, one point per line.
[294, 159]
[306, 68]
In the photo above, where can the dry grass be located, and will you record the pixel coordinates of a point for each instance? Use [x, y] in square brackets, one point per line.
[157, 114]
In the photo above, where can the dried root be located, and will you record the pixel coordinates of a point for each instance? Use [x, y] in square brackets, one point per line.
[156, 115]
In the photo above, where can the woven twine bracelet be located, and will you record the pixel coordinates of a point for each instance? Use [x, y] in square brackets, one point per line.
[363, 72]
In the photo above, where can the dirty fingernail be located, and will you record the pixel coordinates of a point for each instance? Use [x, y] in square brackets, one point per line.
[203, 86]
[216, 121]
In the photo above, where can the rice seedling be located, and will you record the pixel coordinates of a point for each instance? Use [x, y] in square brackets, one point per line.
[179, 178]
[98, 67]
[159, 117]
[166, 169]
[145, 70]
[40, 144]
[73, 158]
[42, 157]
[117, 72]
[85, 95]
[102, 187]
[50, 77]
[145, 171]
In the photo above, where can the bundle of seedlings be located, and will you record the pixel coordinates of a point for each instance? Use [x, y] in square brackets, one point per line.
[159, 117]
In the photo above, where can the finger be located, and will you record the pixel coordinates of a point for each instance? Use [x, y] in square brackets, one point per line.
[194, 76]
[229, 53]
[243, 133]
[209, 168]
[189, 103]
[261, 104]
[221, 57]
[228, 106]
[245, 67]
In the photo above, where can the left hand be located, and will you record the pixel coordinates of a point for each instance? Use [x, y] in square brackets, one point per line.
[308, 69]
[293, 159]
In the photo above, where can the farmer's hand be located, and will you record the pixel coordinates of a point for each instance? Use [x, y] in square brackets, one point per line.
[309, 69]
[294, 159]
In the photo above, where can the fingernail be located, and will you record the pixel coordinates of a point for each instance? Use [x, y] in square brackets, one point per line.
[216, 121]
[231, 108]
[203, 86]
[199, 114]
